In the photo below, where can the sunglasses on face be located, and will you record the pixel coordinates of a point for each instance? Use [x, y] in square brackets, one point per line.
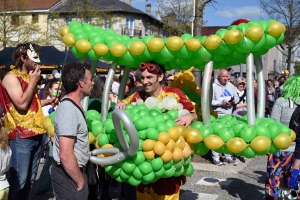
[151, 68]
[242, 83]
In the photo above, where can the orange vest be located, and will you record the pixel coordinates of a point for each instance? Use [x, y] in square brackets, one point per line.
[27, 123]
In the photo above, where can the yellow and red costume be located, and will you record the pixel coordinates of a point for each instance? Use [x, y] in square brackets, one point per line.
[27, 123]
[164, 188]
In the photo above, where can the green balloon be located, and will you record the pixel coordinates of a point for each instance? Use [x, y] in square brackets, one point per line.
[162, 127]
[103, 139]
[120, 179]
[168, 165]
[97, 128]
[157, 164]
[109, 57]
[138, 158]
[178, 164]
[167, 116]
[248, 133]
[159, 119]
[142, 134]
[186, 37]
[92, 55]
[147, 38]
[218, 56]
[148, 55]
[280, 39]
[112, 137]
[149, 177]
[141, 144]
[170, 123]
[51, 116]
[189, 171]
[179, 172]
[248, 152]
[134, 182]
[77, 53]
[117, 144]
[275, 129]
[185, 52]
[262, 131]
[233, 27]
[217, 126]
[200, 149]
[160, 173]
[258, 45]
[245, 45]
[221, 32]
[226, 134]
[265, 25]
[152, 133]
[124, 176]
[169, 173]
[154, 112]
[197, 125]
[145, 168]
[137, 174]
[203, 54]
[112, 170]
[80, 36]
[76, 30]
[270, 41]
[242, 27]
[237, 126]
[140, 125]
[205, 131]
[224, 48]
[224, 150]
[165, 55]
[274, 149]
[129, 167]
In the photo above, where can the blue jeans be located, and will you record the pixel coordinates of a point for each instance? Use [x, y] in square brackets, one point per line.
[24, 161]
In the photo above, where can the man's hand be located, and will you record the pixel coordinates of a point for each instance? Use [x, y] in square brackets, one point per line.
[185, 120]
[293, 183]
[121, 105]
[35, 75]
[80, 185]
[227, 103]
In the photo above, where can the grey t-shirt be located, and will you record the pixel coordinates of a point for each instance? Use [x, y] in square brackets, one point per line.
[69, 121]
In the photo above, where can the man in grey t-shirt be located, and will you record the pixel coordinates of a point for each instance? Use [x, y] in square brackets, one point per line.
[71, 145]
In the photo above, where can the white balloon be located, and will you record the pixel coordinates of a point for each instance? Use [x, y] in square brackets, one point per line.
[139, 101]
[57, 75]
[169, 103]
[183, 112]
[179, 106]
[151, 102]
[160, 105]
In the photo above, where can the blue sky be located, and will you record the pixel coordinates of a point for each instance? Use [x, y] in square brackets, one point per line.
[221, 14]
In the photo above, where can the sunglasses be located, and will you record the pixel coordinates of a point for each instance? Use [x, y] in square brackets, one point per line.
[151, 68]
[242, 83]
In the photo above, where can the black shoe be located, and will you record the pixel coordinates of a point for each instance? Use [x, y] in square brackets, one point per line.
[242, 159]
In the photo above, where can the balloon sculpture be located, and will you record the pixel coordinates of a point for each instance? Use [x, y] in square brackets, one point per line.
[148, 145]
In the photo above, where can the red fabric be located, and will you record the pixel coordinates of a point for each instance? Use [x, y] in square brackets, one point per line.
[163, 186]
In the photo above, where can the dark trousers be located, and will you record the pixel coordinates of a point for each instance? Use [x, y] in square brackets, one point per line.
[64, 187]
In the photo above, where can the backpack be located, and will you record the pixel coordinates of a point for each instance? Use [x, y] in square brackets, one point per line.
[295, 120]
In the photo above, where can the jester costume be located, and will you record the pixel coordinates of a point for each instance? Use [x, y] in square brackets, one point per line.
[164, 188]
[26, 123]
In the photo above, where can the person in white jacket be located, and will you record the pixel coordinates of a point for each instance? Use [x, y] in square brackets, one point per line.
[5, 154]
[223, 98]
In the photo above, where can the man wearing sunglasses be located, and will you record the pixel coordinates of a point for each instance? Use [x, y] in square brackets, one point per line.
[152, 75]
[23, 118]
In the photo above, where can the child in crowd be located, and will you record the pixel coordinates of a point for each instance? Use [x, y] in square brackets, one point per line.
[5, 154]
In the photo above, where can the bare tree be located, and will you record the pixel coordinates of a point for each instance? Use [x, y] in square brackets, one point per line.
[17, 24]
[198, 24]
[287, 12]
[176, 15]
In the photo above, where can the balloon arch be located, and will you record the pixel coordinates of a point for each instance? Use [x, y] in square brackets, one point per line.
[142, 143]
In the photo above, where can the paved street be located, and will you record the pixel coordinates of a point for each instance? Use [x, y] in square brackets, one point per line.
[244, 181]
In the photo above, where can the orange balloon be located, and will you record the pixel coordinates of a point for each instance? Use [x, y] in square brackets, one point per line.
[148, 145]
[167, 156]
[149, 155]
[159, 148]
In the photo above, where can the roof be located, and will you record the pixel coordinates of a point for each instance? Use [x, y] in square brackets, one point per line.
[105, 5]
[209, 30]
[31, 5]
[49, 55]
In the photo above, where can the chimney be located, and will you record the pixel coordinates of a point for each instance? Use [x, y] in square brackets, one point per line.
[148, 8]
[127, 1]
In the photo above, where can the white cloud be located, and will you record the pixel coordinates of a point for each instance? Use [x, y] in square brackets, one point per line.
[241, 12]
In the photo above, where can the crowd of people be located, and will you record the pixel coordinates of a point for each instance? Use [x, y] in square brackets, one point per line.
[27, 100]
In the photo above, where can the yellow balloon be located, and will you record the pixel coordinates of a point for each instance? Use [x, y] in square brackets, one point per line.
[137, 48]
[233, 36]
[212, 42]
[187, 151]
[293, 135]
[175, 43]
[118, 49]
[64, 30]
[192, 135]
[188, 76]
[101, 49]
[254, 32]
[155, 44]
[282, 141]
[69, 39]
[286, 72]
[177, 75]
[175, 84]
[83, 45]
[181, 130]
[236, 145]
[213, 142]
[50, 130]
[180, 143]
[193, 44]
[91, 137]
[276, 29]
[46, 123]
[189, 70]
[260, 143]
